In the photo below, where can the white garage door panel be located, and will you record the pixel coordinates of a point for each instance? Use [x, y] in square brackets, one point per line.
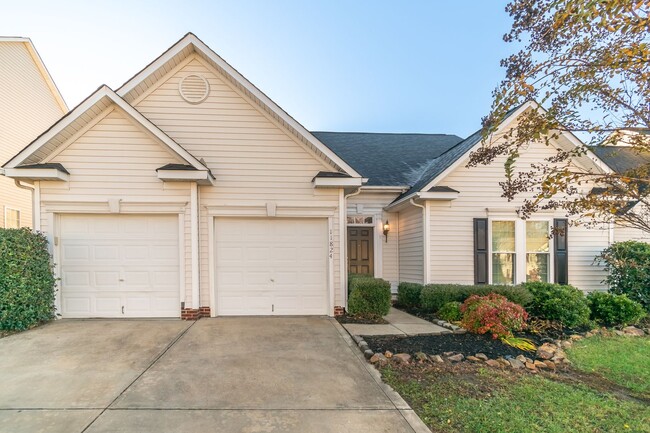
[271, 266]
[119, 266]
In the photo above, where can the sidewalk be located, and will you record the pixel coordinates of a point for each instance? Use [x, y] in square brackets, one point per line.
[399, 323]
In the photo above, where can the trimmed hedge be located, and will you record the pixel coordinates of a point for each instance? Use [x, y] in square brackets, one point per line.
[564, 304]
[352, 277]
[408, 294]
[450, 312]
[434, 296]
[369, 297]
[614, 310]
[27, 283]
[628, 270]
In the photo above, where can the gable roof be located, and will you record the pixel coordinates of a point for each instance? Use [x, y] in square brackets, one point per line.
[388, 159]
[621, 158]
[80, 116]
[189, 44]
[41, 68]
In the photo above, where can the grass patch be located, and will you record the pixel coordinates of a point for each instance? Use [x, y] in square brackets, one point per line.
[622, 360]
[469, 399]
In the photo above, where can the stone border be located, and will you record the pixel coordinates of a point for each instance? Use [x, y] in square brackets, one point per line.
[454, 328]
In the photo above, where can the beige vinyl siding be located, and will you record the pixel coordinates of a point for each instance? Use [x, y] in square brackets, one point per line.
[452, 236]
[622, 234]
[411, 245]
[116, 159]
[28, 108]
[372, 203]
[255, 161]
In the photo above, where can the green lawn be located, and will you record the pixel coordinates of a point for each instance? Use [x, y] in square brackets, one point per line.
[474, 399]
[623, 360]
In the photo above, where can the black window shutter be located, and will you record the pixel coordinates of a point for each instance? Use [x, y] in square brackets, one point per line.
[480, 251]
[561, 256]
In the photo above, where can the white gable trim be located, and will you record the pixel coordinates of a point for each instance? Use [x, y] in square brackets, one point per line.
[531, 104]
[41, 69]
[104, 92]
[199, 46]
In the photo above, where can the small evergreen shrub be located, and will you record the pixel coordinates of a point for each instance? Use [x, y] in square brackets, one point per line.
[613, 310]
[408, 294]
[27, 283]
[369, 298]
[434, 296]
[628, 270]
[492, 314]
[564, 304]
[450, 312]
[352, 277]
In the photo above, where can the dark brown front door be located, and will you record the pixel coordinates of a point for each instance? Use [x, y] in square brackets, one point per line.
[360, 250]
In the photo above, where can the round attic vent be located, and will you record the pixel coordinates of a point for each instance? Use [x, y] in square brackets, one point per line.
[194, 88]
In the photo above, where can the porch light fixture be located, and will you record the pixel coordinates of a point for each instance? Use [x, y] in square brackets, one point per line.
[386, 229]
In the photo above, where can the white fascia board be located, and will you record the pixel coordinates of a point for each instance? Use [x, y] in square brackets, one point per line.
[202, 177]
[191, 39]
[442, 196]
[104, 92]
[464, 158]
[36, 174]
[337, 182]
[46, 76]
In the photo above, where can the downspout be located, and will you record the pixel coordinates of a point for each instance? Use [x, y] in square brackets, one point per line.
[425, 235]
[36, 203]
[343, 212]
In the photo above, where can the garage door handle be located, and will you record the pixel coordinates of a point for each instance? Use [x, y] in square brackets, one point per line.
[121, 280]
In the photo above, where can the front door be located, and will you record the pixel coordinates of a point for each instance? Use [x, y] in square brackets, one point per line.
[360, 250]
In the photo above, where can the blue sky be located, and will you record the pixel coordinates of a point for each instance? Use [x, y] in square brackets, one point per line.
[378, 66]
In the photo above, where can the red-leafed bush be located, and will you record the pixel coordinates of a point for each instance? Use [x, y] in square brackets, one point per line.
[494, 314]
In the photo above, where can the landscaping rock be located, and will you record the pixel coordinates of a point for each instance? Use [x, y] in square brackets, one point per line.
[403, 358]
[482, 356]
[516, 364]
[632, 331]
[456, 358]
[388, 354]
[503, 362]
[460, 331]
[379, 358]
[368, 353]
[421, 356]
[528, 360]
[357, 339]
[437, 359]
[363, 345]
[540, 364]
[619, 333]
[567, 344]
[494, 363]
[521, 358]
[448, 353]
[646, 330]
[546, 351]
[473, 359]
[550, 364]
[575, 337]
[530, 365]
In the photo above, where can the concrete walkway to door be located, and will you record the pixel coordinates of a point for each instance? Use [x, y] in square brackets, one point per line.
[299, 374]
[399, 323]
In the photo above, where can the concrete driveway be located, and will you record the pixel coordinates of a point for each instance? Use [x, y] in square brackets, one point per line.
[281, 374]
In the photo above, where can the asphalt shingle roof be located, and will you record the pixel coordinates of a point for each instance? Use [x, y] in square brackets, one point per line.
[388, 159]
[621, 159]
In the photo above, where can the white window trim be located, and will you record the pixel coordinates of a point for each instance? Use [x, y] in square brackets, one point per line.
[7, 208]
[520, 247]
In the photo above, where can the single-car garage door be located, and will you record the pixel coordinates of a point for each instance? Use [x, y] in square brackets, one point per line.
[268, 266]
[119, 265]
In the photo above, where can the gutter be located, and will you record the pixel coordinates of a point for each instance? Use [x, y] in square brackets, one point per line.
[36, 202]
[425, 233]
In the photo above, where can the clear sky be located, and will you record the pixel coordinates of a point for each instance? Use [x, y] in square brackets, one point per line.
[378, 66]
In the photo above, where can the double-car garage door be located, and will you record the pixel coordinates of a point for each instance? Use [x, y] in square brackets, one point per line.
[128, 266]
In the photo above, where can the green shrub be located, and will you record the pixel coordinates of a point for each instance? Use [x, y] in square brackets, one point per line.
[612, 310]
[26, 280]
[564, 304]
[352, 277]
[450, 312]
[369, 298]
[493, 314]
[408, 294]
[628, 270]
[434, 296]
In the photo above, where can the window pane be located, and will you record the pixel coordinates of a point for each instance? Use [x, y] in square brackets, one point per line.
[12, 220]
[503, 268]
[537, 267]
[537, 236]
[368, 220]
[350, 220]
[503, 236]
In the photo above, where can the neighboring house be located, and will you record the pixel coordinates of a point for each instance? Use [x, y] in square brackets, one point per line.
[29, 103]
[188, 192]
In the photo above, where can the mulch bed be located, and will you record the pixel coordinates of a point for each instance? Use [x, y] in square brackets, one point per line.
[467, 344]
[360, 320]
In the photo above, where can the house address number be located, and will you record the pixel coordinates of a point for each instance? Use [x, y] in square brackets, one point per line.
[331, 244]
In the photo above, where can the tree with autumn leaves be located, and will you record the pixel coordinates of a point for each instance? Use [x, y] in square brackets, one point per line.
[586, 63]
